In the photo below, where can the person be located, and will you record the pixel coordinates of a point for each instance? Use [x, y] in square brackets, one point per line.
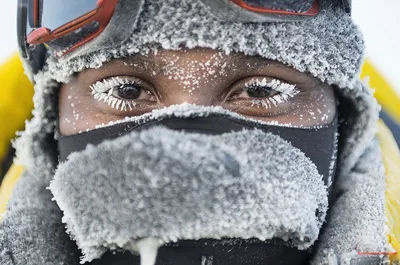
[199, 132]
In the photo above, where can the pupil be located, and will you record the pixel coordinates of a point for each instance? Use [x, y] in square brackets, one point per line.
[129, 91]
[259, 92]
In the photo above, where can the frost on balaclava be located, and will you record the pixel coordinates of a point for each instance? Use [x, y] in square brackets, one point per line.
[329, 47]
[175, 185]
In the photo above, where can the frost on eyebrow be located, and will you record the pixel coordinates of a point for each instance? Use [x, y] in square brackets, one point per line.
[195, 71]
[190, 70]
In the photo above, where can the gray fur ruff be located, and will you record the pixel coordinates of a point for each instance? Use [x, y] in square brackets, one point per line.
[333, 55]
[173, 185]
[32, 233]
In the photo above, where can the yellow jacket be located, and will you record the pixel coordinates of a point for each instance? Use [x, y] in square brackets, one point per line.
[16, 106]
[390, 100]
[15, 102]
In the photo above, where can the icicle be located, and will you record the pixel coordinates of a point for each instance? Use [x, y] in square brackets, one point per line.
[148, 248]
[207, 260]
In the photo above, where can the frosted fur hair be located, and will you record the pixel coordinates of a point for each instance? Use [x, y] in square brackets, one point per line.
[333, 55]
[329, 47]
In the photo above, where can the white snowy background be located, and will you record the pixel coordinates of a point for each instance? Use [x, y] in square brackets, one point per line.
[378, 19]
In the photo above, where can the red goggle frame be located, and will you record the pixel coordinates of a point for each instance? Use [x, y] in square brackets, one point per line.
[313, 11]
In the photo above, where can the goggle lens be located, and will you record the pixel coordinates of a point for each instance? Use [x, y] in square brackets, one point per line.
[57, 13]
[65, 25]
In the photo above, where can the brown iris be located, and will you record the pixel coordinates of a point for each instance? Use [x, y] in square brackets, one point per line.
[128, 91]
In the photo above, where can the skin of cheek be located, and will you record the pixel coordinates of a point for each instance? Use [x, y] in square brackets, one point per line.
[321, 107]
[75, 112]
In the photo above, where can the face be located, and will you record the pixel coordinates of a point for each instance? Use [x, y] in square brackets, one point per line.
[251, 86]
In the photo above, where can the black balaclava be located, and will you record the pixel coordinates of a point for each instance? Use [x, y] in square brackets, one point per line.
[273, 244]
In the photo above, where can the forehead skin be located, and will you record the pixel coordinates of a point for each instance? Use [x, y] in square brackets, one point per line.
[197, 76]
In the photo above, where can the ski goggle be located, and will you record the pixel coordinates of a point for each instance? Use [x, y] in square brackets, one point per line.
[63, 26]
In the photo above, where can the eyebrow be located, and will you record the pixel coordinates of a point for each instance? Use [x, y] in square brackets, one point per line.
[241, 61]
[158, 65]
[136, 59]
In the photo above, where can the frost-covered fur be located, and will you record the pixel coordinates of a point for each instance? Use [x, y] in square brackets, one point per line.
[174, 185]
[31, 232]
[356, 218]
[333, 55]
[329, 47]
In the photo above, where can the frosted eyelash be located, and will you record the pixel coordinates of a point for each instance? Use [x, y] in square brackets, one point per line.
[287, 91]
[102, 91]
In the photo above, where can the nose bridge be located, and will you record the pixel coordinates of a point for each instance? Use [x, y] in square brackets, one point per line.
[192, 98]
[190, 82]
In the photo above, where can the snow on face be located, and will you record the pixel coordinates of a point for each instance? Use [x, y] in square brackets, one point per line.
[250, 86]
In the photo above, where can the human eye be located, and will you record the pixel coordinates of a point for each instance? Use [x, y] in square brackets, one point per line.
[267, 93]
[123, 93]
[261, 96]
[277, 100]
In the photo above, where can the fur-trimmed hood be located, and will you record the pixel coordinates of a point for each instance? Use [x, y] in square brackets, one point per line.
[32, 232]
